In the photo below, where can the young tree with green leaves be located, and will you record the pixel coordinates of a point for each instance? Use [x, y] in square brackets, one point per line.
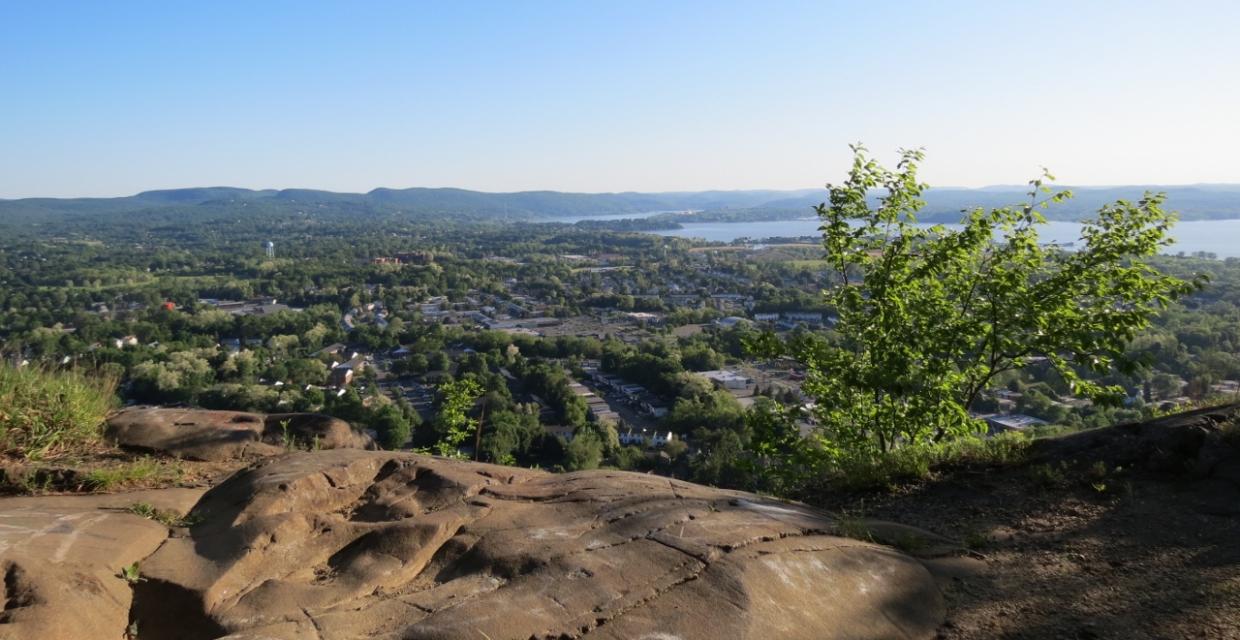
[929, 316]
[456, 398]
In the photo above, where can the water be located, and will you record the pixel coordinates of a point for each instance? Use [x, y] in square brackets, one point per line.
[1220, 237]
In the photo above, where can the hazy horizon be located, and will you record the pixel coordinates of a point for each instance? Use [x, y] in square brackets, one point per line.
[110, 100]
[995, 187]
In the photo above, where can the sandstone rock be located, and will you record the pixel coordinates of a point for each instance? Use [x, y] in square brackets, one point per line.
[61, 559]
[213, 436]
[378, 545]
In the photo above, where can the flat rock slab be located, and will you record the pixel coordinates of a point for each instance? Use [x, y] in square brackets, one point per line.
[177, 499]
[61, 559]
[215, 436]
[378, 545]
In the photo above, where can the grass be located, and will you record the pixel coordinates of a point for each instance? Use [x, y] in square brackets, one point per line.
[162, 516]
[143, 471]
[913, 463]
[850, 526]
[44, 413]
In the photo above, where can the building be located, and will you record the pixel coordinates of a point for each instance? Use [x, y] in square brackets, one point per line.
[808, 317]
[562, 431]
[1012, 422]
[723, 379]
[340, 377]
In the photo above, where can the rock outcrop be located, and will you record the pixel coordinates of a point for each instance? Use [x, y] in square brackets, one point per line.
[214, 436]
[357, 544]
[61, 559]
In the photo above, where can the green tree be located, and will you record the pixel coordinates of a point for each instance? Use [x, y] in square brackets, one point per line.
[928, 317]
[584, 452]
[456, 398]
[392, 426]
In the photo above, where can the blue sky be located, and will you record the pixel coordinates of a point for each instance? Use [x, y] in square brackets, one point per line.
[111, 98]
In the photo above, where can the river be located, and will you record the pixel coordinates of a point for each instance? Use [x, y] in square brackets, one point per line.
[1220, 237]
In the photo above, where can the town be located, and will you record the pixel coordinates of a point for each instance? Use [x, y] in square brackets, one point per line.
[636, 340]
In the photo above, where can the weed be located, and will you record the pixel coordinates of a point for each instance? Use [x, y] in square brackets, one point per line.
[288, 437]
[849, 526]
[162, 516]
[977, 540]
[1050, 476]
[912, 463]
[1230, 432]
[35, 482]
[132, 574]
[44, 413]
[1097, 471]
[145, 470]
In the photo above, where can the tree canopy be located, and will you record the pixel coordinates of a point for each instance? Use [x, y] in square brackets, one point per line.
[929, 316]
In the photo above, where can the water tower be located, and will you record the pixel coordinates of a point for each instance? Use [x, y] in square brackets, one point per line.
[270, 248]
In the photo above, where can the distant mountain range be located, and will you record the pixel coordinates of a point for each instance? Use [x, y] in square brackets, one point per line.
[1195, 202]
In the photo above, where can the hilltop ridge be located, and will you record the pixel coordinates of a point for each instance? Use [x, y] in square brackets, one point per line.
[1194, 202]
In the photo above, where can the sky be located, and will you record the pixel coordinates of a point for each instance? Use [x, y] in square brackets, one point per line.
[113, 98]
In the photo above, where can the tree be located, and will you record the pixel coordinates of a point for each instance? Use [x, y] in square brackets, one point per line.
[584, 452]
[393, 427]
[928, 317]
[456, 398]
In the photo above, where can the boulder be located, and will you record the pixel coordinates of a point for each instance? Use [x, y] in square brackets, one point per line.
[380, 545]
[215, 436]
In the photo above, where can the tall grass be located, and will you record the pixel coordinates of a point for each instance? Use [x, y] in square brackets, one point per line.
[44, 413]
[919, 462]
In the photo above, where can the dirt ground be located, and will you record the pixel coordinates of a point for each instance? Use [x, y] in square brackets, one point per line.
[1074, 544]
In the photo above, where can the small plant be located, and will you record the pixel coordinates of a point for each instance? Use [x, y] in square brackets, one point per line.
[289, 439]
[849, 526]
[132, 574]
[140, 471]
[1098, 471]
[162, 516]
[977, 540]
[1050, 476]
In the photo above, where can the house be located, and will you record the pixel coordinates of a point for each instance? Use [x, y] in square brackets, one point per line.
[1012, 422]
[331, 350]
[631, 437]
[766, 317]
[808, 317]
[562, 431]
[652, 406]
[127, 341]
[632, 390]
[340, 377]
[342, 374]
[731, 321]
[644, 318]
[723, 379]
[658, 439]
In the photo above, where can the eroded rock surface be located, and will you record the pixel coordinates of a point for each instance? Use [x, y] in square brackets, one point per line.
[61, 559]
[358, 544]
[214, 436]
